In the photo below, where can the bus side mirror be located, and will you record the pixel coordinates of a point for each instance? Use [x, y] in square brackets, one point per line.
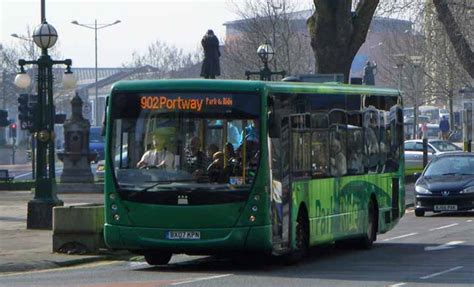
[273, 125]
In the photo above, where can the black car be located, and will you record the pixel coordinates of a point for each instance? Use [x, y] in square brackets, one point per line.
[446, 184]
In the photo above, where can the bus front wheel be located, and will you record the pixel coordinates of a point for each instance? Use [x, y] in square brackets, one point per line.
[301, 238]
[157, 258]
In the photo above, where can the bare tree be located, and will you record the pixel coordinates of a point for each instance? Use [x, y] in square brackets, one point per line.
[337, 33]
[454, 31]
[279, 22]
[166, 60]
[443, 72]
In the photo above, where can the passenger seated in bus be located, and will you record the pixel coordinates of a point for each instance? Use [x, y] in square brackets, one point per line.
[216, 170]
[157, 157]
[232, 159]
[338, 159]
[371, 146]
[251, 132]
[210, 151]
[195, 158]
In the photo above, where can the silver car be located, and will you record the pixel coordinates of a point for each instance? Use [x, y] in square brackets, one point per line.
[414, 152]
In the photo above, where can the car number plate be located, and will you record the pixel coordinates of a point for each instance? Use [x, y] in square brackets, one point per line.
[187, 235]
[445, 207]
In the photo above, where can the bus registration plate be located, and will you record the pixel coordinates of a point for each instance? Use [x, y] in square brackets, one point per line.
[188, 235]
[445, 207]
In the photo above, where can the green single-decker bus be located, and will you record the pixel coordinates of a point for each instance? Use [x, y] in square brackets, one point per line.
[208, 167]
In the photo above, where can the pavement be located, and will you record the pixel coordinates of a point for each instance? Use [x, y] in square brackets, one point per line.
[24, 250]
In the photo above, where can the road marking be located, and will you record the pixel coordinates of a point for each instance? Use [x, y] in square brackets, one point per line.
[137, 264]
[443, 227]
[398, 284]
[410, 211]
[401, 236]
[202, 279]
[55, 269]
[469, 220]
[441, 273]
[448, 245]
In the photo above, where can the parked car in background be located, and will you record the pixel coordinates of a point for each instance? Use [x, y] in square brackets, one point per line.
[432, 131]
[414, 153]
[96, 142]
[120, 161]
[446, 184]
[100, 170]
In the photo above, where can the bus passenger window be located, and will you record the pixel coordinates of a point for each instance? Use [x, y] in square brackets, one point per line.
[319, 154]
[338, 161]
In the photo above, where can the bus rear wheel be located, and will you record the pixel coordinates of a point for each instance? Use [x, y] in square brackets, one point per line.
[157, 258]
[367, 240]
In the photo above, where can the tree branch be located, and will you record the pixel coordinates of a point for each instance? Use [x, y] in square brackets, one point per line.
[459, 42]
[361, 21]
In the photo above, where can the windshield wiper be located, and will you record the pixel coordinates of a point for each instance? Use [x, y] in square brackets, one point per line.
[453, 173]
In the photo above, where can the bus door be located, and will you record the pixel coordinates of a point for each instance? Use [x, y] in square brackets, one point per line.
[280, 186]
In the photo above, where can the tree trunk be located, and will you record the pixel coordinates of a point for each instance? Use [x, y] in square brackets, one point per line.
[337, 33]
[457, 39]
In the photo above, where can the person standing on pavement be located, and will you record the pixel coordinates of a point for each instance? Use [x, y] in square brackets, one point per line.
[444, 128]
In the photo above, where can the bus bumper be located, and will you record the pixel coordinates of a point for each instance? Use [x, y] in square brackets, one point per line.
[212, 240]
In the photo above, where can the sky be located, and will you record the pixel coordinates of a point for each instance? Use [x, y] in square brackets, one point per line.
[181, 23]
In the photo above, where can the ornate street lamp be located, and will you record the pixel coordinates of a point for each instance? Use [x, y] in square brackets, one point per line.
[40, 208]
[265, 52]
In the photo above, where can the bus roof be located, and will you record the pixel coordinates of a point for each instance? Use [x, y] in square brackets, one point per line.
[247, 86]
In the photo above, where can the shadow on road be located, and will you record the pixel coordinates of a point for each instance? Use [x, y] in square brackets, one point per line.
[386, 262]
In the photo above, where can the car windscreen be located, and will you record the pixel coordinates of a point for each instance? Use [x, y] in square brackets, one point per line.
[452, 165]
[444, 146]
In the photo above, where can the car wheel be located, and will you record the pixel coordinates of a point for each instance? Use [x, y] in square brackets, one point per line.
[419, 213]
[158, 258]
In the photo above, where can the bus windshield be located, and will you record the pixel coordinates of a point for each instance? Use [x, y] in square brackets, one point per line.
[185, 141]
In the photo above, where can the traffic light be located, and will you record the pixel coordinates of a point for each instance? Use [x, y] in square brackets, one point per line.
[13, 130]
[27, 111]
[23, 111]
[4, 122]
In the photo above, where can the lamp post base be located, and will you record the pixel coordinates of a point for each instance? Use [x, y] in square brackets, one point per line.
[40, 213]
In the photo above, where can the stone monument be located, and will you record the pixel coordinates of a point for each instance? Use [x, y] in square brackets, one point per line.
[76, 157]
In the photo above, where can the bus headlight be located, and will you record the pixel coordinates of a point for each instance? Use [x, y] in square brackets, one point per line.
[116, 217]
[114, 207]
[252, 218]
[256, 197]
[112, 196]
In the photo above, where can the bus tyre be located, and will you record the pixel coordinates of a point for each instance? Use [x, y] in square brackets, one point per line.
[157, 258]
[301, 238]
[419, 212]
[368, 239]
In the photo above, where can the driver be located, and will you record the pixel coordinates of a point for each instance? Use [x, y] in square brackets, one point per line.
[156, 158]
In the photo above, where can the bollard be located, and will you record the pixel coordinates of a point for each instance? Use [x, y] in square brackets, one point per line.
[425, 152]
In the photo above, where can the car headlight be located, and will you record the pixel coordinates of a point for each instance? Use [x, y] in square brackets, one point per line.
[422, 190]
[100, 168]
[469, 189]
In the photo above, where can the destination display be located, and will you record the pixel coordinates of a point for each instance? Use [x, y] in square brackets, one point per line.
[235, 105]
[183, 103]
